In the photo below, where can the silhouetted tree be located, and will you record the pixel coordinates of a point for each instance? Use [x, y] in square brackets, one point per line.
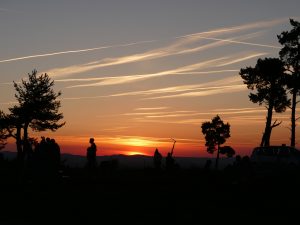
[216, 132]
[228, 151]
[267, 79]
[14, 125]
[290, 54]
[38, 107]
[3, 130]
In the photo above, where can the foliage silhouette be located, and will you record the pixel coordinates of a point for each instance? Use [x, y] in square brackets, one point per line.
[267, 78]
[290, 55]
[38, 108]
[3, 131]
[216, 132]
[228, 151]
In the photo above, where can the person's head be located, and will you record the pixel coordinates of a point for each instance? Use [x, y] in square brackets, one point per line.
[92, 140]
[169, 154]
[156, 150]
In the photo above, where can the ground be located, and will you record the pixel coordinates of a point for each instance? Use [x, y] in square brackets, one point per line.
[146, 196]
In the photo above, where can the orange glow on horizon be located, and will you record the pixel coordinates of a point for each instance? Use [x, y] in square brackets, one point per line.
[135, 153]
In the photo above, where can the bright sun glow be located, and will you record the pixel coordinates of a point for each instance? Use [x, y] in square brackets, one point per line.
[138, 142]
[135, 153]
[134, 141]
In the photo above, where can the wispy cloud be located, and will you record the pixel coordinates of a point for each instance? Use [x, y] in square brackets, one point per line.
[240, 59]
[207, 88]
[258, 24]
[180, 46]
[132, 78]
[211, 91]
[192, 118]
[150, 108]
[115, 129]
[189, 69]
[257, 118]
[103, 78]
[183, 40]
[183, 88]
[246, 114]
[173, 49]
[235, 109]
[208, 72]
[239, 42]
[73, 51]
[160, 113]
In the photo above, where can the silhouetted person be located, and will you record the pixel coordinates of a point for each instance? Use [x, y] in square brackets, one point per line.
[91, 155]
[170, 162]
[55, 156]
[42, 159]
[157, 158]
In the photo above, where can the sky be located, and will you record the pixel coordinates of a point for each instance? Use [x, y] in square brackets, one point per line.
[136, 73]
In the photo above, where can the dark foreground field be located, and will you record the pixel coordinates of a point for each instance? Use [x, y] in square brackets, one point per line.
[145, 196]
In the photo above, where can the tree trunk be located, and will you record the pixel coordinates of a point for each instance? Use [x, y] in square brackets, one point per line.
[26, 125]
[218, 156]
[25, 140]
[19, 144]
[293, 119]
[268, 128]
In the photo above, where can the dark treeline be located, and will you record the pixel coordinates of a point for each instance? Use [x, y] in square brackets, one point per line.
[272, 79]
[240, 192]
[274, 83]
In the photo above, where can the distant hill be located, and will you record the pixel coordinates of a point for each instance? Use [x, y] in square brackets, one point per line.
[132, 161]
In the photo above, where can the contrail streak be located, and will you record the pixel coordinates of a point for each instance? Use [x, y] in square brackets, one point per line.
[74, 51]
[195, 35]
[239, 42]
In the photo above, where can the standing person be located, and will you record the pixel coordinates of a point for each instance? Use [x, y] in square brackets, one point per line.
[55, 155]
[91, 154]
[157, 159]
[170, 162]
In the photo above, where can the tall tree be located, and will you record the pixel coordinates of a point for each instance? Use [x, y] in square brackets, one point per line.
[3, 130]
[290, 54]
[216, 132]
[267, 80]
[38, 106]
[14, 124]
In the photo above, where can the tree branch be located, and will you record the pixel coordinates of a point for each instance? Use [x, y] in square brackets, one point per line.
[275, 124]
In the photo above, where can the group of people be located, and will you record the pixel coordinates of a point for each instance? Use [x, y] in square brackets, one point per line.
[42, 160]
[157, 160]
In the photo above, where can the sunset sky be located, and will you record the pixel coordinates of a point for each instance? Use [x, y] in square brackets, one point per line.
[136, 73]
